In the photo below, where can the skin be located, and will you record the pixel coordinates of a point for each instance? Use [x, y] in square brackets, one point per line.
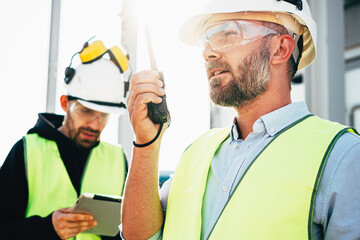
[68, 225]
[85, 135]
[277, 94]
[142, 214]
[248, 81]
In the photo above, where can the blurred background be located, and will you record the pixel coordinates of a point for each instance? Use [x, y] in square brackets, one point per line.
[39, 37]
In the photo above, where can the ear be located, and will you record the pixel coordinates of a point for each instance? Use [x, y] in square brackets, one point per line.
[65, 103]
[283, 47]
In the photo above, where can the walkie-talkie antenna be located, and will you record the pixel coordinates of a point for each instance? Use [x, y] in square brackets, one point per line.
[153, 64]
[158, 112]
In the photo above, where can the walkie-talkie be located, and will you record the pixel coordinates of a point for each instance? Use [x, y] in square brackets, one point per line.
[158, 113]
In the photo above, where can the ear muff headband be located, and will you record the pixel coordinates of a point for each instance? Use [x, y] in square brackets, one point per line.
[95, 51]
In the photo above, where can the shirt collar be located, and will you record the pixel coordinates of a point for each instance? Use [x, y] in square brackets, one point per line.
[277, 120]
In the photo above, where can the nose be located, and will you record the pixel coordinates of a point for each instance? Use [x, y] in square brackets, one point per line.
[95, 123]
[209, 53]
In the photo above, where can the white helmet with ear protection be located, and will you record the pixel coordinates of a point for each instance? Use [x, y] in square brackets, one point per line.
[294, 15]
[98, 85]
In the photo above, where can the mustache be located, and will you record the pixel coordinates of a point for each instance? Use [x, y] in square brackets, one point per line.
[216, 65]
[90, 130]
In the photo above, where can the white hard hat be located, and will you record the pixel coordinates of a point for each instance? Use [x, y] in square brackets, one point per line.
[294, 15]
[99, 86]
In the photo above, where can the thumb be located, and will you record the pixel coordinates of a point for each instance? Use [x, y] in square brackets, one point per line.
[65, 210]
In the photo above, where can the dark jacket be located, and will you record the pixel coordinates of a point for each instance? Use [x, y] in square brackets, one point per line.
[14, 187]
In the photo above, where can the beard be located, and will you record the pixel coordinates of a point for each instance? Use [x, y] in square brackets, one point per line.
[74, 134]
[248, 82]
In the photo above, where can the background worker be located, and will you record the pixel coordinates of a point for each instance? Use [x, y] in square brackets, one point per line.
[278, 172]
[62, 156]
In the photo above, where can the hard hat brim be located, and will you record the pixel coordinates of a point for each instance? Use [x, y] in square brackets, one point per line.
[101, 108]
[191, 30]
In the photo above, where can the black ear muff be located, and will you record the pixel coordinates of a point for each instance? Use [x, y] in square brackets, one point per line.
[69, 74]
[69, 71]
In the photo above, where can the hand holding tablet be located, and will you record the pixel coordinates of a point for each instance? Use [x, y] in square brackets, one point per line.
[104, 208]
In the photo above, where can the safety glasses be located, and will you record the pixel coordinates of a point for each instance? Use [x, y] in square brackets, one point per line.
[224, 35]
[88, 115]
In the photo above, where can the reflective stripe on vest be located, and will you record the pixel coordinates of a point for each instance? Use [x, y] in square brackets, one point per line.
[275, 197]
[49, 184]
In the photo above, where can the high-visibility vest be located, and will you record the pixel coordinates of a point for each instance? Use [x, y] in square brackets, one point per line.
[49, 184]
[275, 197]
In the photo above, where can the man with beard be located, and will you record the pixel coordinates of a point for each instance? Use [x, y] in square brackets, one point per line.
[278, 172]
[62, 156]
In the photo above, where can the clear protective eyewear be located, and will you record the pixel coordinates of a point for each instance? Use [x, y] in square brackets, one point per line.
[224, 35]
[87, 114]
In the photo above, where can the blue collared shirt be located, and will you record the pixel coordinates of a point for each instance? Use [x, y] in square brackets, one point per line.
[337, 204]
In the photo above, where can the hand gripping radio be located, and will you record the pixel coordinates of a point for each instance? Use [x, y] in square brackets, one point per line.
[158, 112]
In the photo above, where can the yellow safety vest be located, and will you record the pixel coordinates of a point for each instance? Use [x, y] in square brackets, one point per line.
[49, 184]
[275, 197]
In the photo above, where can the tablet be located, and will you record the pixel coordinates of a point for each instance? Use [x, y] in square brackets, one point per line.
[105, 209]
